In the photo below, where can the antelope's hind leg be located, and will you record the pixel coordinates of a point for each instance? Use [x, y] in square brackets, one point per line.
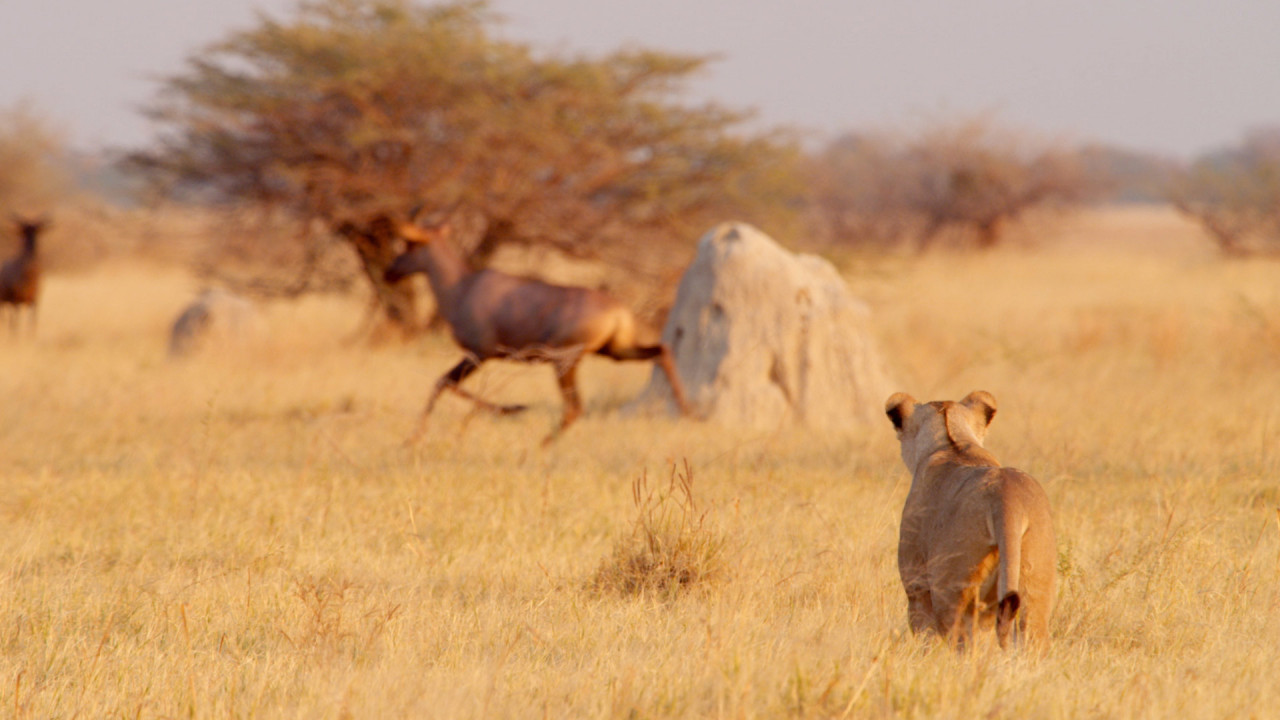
[667, 362]
[567, 377]
[660, 354]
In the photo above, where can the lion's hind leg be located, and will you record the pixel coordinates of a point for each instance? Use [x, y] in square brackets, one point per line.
[961, 605]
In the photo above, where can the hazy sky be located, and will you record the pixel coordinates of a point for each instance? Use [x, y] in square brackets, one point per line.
[1175, 76]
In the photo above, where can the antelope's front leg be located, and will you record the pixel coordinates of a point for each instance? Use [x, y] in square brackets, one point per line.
[449, 380]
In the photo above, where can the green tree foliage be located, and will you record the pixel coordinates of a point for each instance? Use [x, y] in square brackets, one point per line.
[1235, 194]
[357, 111]
[962, 182]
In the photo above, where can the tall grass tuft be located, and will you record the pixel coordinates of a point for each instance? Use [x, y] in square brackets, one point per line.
[673, 545]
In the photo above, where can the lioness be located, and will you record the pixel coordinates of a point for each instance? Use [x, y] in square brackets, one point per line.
[977, 539]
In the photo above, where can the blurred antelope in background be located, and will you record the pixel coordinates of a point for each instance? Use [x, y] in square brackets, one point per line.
[216, 317]
[495, 315]
[20, 274]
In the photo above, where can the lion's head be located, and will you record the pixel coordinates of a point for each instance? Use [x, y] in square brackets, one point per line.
[925, 428]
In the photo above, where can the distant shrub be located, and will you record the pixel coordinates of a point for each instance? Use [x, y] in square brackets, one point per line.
[1119, 175]
[32, 173]
[1234, 194]
[960, 183]
[671, 547]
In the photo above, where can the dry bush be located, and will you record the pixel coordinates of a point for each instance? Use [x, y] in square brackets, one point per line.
[32, 178]
[249, 251]
[672, 546]
[860, 192]
[1234, 194]
[958, 183]
[267, 253]
[85, 232]
[37, 175]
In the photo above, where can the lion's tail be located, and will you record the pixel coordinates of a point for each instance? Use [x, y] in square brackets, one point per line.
[1009, 531]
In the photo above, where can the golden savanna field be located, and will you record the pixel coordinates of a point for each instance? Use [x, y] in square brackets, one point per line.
[242, 534]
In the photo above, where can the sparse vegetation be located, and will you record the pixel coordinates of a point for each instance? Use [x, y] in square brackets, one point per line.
[673, 545]
[1235, 195]
[32, 176]
[960, 183]
[244, 536]
[356, 110]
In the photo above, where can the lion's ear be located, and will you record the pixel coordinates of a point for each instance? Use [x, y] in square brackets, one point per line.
[899, 407]
[983, 403]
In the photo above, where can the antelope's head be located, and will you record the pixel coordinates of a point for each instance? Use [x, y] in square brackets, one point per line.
[417, 242]
[29, 229]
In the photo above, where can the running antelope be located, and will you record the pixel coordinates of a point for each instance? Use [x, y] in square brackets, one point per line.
[495, 315]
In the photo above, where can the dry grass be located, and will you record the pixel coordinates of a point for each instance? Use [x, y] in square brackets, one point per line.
[673, 545]
[243, 535]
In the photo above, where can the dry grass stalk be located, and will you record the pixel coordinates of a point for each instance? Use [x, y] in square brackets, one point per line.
[672, 546]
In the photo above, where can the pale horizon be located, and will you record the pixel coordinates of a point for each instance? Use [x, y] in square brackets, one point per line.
[1180, 78]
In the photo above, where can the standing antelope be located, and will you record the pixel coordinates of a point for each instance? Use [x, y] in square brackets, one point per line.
[20, 275]
[495, 315]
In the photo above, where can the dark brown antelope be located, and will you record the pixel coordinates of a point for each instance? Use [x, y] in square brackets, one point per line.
[20, 275]
[495, 315]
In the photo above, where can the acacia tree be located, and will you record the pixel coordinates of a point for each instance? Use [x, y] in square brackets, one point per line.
[358, 110]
